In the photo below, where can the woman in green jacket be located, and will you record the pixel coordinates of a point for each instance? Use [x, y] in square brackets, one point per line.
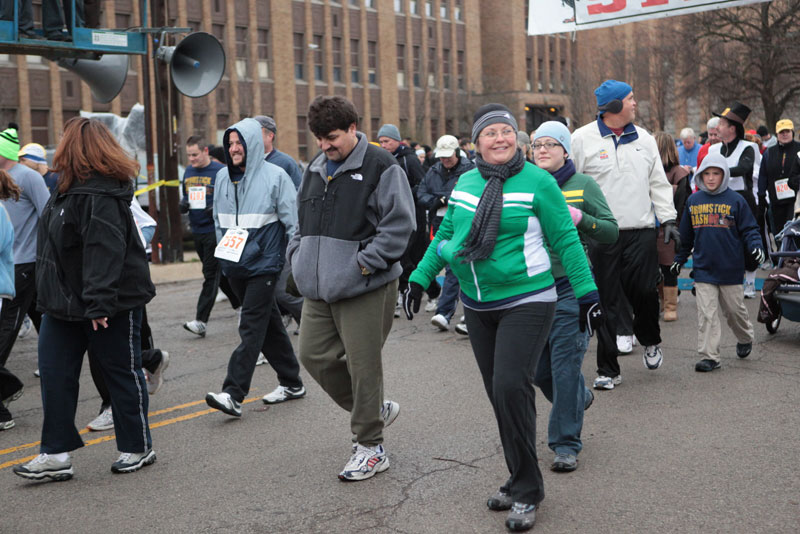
[558, 373]
[492, 236]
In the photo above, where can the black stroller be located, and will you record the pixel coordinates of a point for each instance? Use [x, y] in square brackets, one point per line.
[780, 296]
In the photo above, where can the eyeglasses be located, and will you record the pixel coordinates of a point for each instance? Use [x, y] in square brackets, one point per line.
[492, 134]
[550, 145]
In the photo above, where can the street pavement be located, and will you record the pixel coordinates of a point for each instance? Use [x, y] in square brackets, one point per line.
[669, 450]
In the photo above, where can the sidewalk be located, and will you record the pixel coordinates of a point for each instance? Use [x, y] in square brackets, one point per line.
[190, 269]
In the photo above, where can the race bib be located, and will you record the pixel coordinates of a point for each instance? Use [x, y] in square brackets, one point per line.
[197, 197]
[782, 189]
[232, 244]
[441, 211]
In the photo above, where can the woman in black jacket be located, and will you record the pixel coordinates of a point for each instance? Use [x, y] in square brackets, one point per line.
[92, 281]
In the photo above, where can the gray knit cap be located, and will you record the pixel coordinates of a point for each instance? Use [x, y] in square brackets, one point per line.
[390, 131]
[491, 114]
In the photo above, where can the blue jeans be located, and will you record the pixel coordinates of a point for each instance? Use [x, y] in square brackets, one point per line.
[558, 375]
[448, 300]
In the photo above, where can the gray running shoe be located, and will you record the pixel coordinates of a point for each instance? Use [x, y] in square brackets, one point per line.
[564, 463]
[500, 501]
[521, 517]
[45, 466]
[129, 462]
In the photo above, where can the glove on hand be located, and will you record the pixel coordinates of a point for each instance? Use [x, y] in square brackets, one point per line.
[670, 232]
[183, 206]
[577, 215]
[291, 287]
[758, 255]
[675, 268]
[591, 317]
[412, 298]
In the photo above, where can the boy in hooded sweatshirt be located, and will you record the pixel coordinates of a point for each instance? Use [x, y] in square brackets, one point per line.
[720, 226]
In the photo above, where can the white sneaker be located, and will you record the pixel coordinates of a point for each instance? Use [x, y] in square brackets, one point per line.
[652, 357]
[46, 466]
[430, 307]
[224, 403]
[389, 412]
[365, 463]
[440, 322]
[461, 328]
[261, 359]
[282, 394]
[607, 382]
[220, 297]
[624, 344]
[157, 376]
[25, 328]
[749, 289]
[104, 421]
[196, 327]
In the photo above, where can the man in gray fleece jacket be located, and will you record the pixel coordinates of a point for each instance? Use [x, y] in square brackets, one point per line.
[356, 214]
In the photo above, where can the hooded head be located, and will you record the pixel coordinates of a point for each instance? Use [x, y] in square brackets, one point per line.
[249, 133]
[713, 161]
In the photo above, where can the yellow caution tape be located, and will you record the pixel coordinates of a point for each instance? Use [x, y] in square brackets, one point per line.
[166, 183]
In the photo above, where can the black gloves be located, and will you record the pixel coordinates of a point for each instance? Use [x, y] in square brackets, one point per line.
[591, 317]
[183, 206]
[291, 287]
[758, 255]
[412, 298]
[675, 268]
[440, 202]
[670, 232]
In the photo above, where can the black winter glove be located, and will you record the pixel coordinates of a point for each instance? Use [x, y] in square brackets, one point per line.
[670, 232]
[591, 317]
[291, 287]
[412, 298]
[440, 202]
[675, 268]
[758, 255]
[183, 206]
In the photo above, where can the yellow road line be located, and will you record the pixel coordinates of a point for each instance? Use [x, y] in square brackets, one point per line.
[113, 436]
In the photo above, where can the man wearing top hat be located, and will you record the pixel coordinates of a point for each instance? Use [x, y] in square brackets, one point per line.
[743, 159]
[624, 161]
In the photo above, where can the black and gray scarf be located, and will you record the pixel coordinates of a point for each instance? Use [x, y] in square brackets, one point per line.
[486, 222]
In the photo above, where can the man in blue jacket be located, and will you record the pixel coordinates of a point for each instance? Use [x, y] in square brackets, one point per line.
[255, 215]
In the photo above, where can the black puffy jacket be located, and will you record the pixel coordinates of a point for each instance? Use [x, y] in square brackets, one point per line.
[90, 260]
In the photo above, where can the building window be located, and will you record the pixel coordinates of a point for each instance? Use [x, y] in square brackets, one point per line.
[199, 120]
[398, 6]
[417, 67]
[528, 72]
[435, 129]
[431, 67]
[372, 62]
[375, 122]
[458, 13]
[336, 43]
[413, 7]
[40, 126]
[370, 3]
[355, 54]
[299, 56]
[319, 70]
[540, 75]
[263, 54]
[355, 3]
[302, 138]
[460, 67]
[443, 9]
[552, 74]
[401, 65]
[446, 68]
[428, 8]
[241, 52]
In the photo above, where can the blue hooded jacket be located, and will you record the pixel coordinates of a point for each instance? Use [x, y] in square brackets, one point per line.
[261, 200]
[7, 289]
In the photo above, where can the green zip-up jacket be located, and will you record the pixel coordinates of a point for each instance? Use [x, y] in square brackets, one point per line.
[533, 210]
[597, 224]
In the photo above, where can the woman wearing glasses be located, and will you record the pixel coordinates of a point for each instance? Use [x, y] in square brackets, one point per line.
[558, 373]
[492, 236]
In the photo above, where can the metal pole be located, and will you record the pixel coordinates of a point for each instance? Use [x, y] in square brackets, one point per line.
[148, 136]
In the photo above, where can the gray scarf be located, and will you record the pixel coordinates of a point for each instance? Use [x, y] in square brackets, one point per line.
[486, 222]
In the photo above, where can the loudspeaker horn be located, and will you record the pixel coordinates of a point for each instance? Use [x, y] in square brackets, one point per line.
[105, 76]
[197, 63]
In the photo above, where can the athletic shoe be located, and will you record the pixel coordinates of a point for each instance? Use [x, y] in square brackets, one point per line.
[749, 289]
[521, 517]
[707, 365]
[5, 425]
[14, 396]
[45, 466]
[261, 359]
[365, 463]
[37, 374]
[461, 328]
[25, 329]
[129, 462]
[104, 421]
[564, 463]
[652, 357]
[196, 327]
[224, 403]
[398, 306]
[624, 344]
[500, 501]
[157, 376]
[588, 402]
[430, 307]
[282, 394]
[440, 322]
[607, 382]
[389, 412]
[286, 319]
[221, 296]
[742, 350]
